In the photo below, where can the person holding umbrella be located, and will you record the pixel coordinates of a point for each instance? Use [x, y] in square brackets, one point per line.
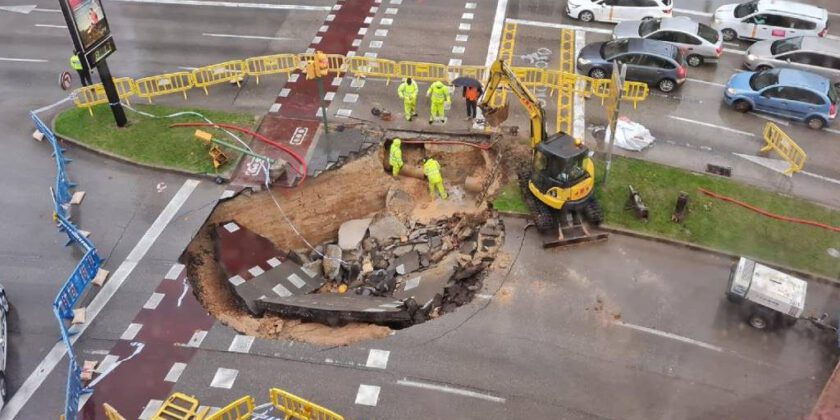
[472, 90]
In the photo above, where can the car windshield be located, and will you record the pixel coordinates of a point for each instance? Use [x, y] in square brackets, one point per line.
[786, 45]
[763, 79]
[707, 33]
[648, 26]
[746, 9]
[613, 48]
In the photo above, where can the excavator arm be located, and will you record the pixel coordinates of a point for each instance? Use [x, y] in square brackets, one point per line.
[500, 76]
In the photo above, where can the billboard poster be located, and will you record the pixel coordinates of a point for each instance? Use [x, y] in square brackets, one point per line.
[90, 22]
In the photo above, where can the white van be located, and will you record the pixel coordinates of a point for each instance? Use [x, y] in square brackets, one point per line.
[770, 19]
[618, 10]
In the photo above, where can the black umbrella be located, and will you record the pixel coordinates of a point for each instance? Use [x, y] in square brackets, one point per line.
[467, 82]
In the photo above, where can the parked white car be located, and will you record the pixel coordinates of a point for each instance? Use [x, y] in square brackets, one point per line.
[770, 19]
[618, 10]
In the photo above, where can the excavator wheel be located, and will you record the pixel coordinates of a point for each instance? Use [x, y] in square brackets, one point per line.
[543, 215]
[592, 212]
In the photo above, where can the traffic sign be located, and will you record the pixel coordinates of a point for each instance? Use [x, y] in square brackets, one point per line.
[65, 80]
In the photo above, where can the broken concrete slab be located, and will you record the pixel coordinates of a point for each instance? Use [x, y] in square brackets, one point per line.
[332, 308]
[351, 233]
[399, 203]
[402, 250]
[332, 262]
[408, 263]
[243, 252]
[425, 285]
[386, 228]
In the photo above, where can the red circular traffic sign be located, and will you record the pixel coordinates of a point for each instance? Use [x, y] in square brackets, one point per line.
[65, 81]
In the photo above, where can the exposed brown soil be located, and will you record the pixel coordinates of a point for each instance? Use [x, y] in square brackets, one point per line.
[317, 209]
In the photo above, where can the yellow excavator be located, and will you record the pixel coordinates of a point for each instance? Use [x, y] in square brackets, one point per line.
[559, 184]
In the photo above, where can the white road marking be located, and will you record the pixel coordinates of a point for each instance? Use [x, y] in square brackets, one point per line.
[467, 16]
[496, 33]
[830, 36]
[224, 378]
[175, 372]
[378, 359]
[234, 5]
[241, 343]
[44, 25]
[693, 12]
[269, 38]
[23, 60]
[733, 44]
[384, 21]
[236, 280]
[131, 331]
[464, 27]
[579, 117]
[831, 130]
[671, 336]
[706, 82]
[710, 125]
[821, 177]
[451, 390]
[196, 339]
[470, 5]
[256, 271]
[458, 49]
[769, 118]
[455, 61]
[367, 395]
[183, 292]
[558, 26]
[154, 301]
[20, 9]
[462, 38]
[38, 9]
[733, 51]
[106, 363]
[483, 296]
[187, 68]
[151, 408]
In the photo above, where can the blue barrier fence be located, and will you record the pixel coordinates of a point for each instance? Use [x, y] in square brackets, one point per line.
[81, 277]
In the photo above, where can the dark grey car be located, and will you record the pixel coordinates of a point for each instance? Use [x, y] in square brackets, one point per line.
[653, 62]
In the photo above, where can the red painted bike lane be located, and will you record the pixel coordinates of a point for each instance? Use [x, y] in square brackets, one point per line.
[294, 118]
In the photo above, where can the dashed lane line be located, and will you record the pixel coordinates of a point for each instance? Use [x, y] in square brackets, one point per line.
[241, 343]
[367, 395]
[693, 12]
[671, 336]
[34, 381]
[705, 82]
[496, 33]
[378, 359]
[710, 125]
[23, 60]
[450, 390]
[44, 25]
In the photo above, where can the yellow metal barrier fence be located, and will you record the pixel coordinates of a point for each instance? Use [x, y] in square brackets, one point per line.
[271, 64]
[373, 67]
[298, 408]
[164, 84]
[778, 141]
[112, 413]
[227, 72]
[177, 407]
[235, 70]
[88, 96]
[241, 409]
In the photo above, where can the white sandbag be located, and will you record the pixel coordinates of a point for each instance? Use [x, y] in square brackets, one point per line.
[631, 135]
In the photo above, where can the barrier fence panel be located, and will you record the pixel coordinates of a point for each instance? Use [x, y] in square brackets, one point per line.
[63, 185]
[778, 141]
[476, 72]
[74, 390]
[227, 72]
[112, 412]
[423, 72]
[271, 64]
[241, 409]
[177, 407]
[373, 67]
[88, 96]
[529, 76]
[164, 84]
[296, 407]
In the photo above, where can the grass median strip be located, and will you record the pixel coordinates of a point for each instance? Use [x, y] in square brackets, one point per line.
[711, 222]
[149, 140]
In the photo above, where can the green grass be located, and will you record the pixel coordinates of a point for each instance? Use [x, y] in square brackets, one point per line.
[509, 199]
[718, 224]
[149, 140]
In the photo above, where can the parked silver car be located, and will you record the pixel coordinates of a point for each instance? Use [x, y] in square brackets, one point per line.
[809, 53]
[698, 42]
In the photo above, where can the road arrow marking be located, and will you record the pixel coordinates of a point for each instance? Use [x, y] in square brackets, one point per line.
[19, 9]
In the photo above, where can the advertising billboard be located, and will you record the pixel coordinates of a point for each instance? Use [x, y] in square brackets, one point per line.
[89, 27]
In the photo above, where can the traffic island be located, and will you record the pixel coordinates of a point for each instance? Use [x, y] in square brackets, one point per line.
[149, 140]
[354, 253]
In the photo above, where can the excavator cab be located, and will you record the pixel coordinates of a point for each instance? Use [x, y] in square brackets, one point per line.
[562, 174]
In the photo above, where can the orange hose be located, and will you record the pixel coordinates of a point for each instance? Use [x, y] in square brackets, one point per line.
[767, 213]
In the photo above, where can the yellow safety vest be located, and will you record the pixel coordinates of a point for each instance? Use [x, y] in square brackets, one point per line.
[75, 62]
[396, 155]
[439, 92]
[432, 170]
[407, 91]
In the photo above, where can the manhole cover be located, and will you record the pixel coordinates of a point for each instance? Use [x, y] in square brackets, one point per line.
[833, 252]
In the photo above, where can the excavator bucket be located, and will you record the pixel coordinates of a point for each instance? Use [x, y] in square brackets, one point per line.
[495, 116]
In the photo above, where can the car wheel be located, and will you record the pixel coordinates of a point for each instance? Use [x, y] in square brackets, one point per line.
[729, 34]
[758, 321]
[816, 123]
[647, 18]
[694, 60]
[763, 68]
[586, 16]
[597, 73]
[742, 106]
[666, 85]
[2, 387]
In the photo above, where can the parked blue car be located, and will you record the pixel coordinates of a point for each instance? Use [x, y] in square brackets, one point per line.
[794, 94]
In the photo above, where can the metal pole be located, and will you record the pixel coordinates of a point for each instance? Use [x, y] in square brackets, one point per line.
[111, 93]
[614, 121]
[323, 104]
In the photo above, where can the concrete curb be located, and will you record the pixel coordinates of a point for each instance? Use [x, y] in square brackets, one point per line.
[701, 248]
[227, 175]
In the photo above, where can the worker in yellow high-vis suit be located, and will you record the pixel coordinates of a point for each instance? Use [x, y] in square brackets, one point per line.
[395, 158]
[76, 64]
[439, 93]
[408, 93]
[431, 168]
